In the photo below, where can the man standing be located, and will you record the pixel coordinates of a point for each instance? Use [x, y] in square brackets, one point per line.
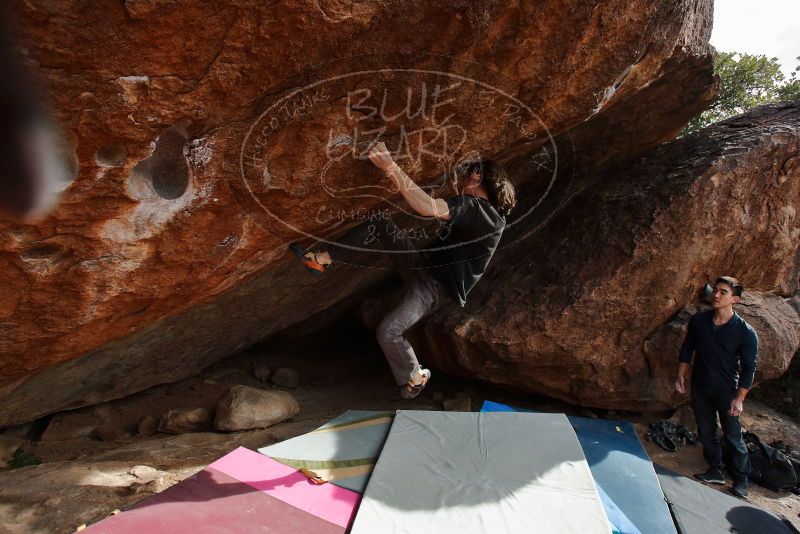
[472, 222]
[725, 350]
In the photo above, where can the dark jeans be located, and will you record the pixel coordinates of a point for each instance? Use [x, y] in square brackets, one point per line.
[423, 294]
[707, 404]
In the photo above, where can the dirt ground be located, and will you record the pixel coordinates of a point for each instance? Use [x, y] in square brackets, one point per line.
[769, 425]
[83, 478]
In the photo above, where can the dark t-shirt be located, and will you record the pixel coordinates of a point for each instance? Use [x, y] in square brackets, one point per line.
[459, 254]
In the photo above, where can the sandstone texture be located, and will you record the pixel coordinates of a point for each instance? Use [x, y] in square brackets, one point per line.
[246, 408]
[111, 432]
[70, 425]
[8, 446]
[285, 377]
[182, 420]
[147, 426]
[57, 497]
[591, 307]
[262, 373]
[206, 136]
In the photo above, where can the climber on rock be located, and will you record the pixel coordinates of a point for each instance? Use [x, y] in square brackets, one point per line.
[725, 350]
[471, 223]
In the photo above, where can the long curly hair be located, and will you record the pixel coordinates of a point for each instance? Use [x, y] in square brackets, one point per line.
[501, 191]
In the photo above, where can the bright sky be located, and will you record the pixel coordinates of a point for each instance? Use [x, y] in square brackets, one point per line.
[769, 27]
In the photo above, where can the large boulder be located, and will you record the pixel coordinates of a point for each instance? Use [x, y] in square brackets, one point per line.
[578, 308]
[206, 136]
[246, 408]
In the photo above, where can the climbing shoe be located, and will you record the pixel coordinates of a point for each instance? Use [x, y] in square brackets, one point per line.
[410, 391]
[313, 266]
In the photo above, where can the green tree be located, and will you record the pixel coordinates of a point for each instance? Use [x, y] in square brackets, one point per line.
[746, 81]
[791, 89]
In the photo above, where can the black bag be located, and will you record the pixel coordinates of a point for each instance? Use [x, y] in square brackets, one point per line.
[793, 457]
[769, 467]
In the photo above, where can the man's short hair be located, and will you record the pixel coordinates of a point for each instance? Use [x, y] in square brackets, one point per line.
[736, 287]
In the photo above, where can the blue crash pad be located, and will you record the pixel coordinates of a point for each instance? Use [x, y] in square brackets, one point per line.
[622, 470]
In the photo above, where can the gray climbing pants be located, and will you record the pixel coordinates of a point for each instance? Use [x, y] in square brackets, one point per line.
[423, 293]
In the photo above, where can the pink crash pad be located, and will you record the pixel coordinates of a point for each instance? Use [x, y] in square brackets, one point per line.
[243, 491]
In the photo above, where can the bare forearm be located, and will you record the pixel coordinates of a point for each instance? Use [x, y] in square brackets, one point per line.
[741, 393]
[683, 369]
[419, 200]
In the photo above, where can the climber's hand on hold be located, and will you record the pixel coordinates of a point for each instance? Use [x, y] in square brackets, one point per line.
[380, 157]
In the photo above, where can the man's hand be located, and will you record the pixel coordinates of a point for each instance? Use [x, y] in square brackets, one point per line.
[683, 372]
[380, 157]
[680, 385]
[736, 407]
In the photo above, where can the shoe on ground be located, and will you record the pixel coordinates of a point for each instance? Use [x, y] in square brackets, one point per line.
[739, 489]
[711, 476]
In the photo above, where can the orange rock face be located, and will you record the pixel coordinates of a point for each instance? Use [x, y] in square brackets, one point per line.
[209, 135]
[590, 307]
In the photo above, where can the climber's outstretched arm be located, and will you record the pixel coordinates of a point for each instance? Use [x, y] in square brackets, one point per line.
[419, 200]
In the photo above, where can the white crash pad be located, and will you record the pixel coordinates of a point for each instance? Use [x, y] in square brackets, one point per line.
[481, 472]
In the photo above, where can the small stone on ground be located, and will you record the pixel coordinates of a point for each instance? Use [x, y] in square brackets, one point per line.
[182, 420]
[285, 377]
[262, 373]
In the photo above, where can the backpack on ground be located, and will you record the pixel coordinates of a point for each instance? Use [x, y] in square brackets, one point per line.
[769, 467]
[793, 456]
